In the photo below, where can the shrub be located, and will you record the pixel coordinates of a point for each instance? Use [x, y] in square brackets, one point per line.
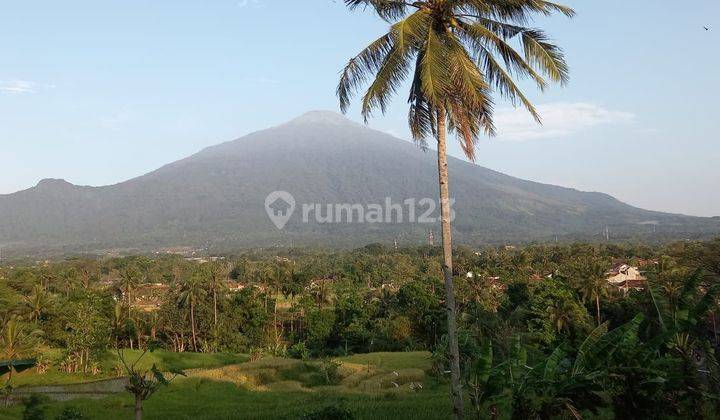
[299, 351]
[329, 412]
[331, 370]
[34, 407]
[69, 413]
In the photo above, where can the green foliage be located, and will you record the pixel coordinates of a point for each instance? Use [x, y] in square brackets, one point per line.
[143, 383]
[69, 413]
[88, 332]
[329, 412]
[34, 407]
[320, 324]
[555, 311]
[299, 351]
[528, 342]
[331, 371]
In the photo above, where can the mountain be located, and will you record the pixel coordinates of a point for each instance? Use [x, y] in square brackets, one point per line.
[217, 197]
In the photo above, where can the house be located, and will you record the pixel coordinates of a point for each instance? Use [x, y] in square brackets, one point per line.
[628, 285]
[625, 277]
[149, 297]
[234, 286]
[321, 282]
[622, 272]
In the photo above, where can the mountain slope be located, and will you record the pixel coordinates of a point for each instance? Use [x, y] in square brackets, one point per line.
[218, 196]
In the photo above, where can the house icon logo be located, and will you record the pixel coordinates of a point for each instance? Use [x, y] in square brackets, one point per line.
[279, 206]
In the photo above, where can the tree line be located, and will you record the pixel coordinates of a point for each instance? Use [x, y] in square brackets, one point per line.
[540, 330]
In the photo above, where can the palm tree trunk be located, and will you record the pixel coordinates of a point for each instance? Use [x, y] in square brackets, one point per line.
[215, 306]
[127, 300]
[275, 322]
[447, 267]
[192, 325]
[138, 408]
[597, 306]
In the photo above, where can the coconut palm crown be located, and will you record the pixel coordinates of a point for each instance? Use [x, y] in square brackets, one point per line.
[459, 53]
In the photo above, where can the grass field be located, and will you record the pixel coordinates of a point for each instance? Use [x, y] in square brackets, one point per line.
[164, 360]
[372, 386]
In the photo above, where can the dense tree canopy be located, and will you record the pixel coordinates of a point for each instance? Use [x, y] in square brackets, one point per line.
[520, 310]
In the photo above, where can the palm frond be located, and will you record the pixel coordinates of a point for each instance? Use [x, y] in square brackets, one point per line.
[406, 35]
[503, 83]
[483, 39]
[386, 9]
[434, 72]
[545, 56]
[361, 67]
[520, 11]
[469, 106]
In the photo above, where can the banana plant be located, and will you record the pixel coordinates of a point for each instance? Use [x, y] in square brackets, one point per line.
[143, 383]
[513, 389]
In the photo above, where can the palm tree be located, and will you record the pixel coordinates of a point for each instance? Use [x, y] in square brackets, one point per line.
[15, 341]
[130, 277]
[594, 288]
[192, 291]
[561, 315]
[218, 274]
[459, 53]
[117, 322]
[279, 275]
[68, 280]
[37, 302]
[591, 282]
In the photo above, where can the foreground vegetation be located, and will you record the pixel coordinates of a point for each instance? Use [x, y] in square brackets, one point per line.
[542, 334]
[377, 385]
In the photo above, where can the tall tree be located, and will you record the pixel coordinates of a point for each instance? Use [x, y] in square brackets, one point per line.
[15, 341]
[279, 275]
[36, 303]
[589, 274]
[68, 280]
[459, 53]
[192, 291]
[218, 272]
[131, 277]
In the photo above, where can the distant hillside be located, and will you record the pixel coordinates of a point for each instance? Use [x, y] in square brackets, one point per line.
[217, 197]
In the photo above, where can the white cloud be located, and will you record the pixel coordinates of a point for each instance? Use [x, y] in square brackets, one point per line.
[558, 120]
[21, 86]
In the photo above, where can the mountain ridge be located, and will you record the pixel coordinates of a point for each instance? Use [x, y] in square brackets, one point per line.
[216, 196]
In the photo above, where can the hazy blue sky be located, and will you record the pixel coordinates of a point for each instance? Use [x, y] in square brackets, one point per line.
[98, 92]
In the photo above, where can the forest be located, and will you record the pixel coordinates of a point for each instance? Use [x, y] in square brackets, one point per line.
[542, 332]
